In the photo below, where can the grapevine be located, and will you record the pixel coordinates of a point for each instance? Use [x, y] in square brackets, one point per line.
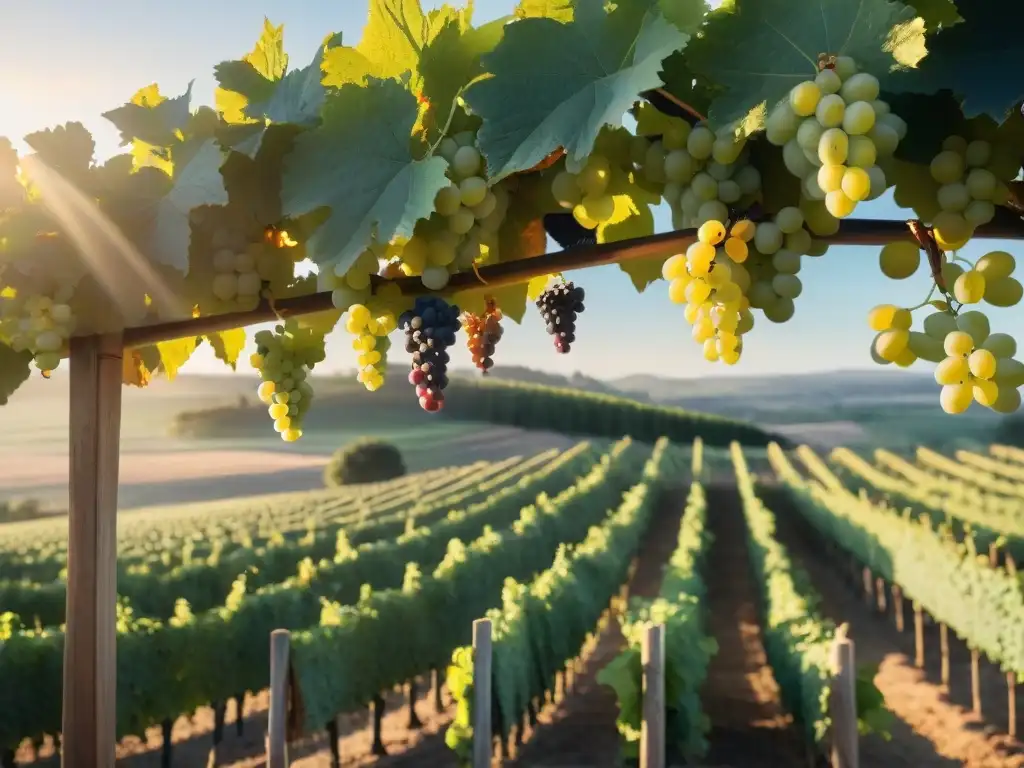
[284, 357]
[378, 188]
[430, 328]
[483, 332]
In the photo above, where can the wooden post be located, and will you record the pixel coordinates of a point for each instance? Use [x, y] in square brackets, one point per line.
[436, 680]
[869, 596]
[334, 737]
[843, 706]
[90, 655]
[897, 606]
[482, 737]
[976, 681]
[993, 555]
[1011, 703]
[918, 636]
[413, 695]
[277, 739]
[652, 728]
[944, 650]
[880, 594]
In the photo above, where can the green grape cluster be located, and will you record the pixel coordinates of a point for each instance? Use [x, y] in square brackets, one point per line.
[774, 263]
[371, 342]
[702, 175]
[972, 182]
[582, 187]
[40, 323]
[710, 282]
[284, 357]
[972, 363]
[243, 262]
[833, 130]
[468, 213]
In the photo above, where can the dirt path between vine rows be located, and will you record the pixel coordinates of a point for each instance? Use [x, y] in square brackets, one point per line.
[931, 729]
[749, 728]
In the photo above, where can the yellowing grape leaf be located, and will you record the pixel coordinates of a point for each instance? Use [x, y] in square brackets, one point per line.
[537, 285]
[559, 10]
[150, 118]
[972, 59]
[688, 15]
[511, 300]
[15, 368]
[295, 99]
[604, 60]
[452, 59]
[762, 48]
[174, 354]
[359, 163]
[321, 323]
[251, 79]
[651, 121]
[228, 345]
[134, 372]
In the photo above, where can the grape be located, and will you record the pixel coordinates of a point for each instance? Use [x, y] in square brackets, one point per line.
[885, 138]
[861, 152]
[975, 324]
[956, 398]
[466, 162]
[430, 328]
[900, 259]
[947, 167]
[859, 118]
[472, 191]
[969, 288]
[830, 177]
[860, 87]
[1003, 292]
[952, 370]
[483, 332]
[981, 184]
[1000, 345]
[701, 142]
[856, 184]
[795, 160]
[958, 344]
[804, 98]
[593, 179]
[828, 81]
[833, 147]
[679, 166]
[839, 204]
[979, 212]
[448, 200]
[782, 124]
[978, 154]
[982, 364]
[830, 110]
[789, 220]
[808, 136]
[996, 264]
[926, 347]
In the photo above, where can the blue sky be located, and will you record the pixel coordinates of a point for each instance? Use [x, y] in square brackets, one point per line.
[72, 60]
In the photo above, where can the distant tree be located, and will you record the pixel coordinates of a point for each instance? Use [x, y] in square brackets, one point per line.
[365, 460]
[14, 511]
[1010, 431]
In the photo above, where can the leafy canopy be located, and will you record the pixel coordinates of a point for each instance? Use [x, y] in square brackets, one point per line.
[558, 84]
[759, 49]
[359, 163]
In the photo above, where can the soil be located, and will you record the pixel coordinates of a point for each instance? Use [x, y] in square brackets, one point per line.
[931, 729]
[750, 729]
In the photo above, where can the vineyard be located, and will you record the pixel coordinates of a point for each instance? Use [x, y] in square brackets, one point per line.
[571, 555]
[403, 190]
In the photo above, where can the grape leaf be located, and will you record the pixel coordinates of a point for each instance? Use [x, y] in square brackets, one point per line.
[14, 371]
[559, 10]
[156, 208]
[937, 13]
[537, 285]
[603, 60]
[134, 371]
[397, 32]
[973, 60]
[511, 299]
[761, 49]
[359, 162]
[67, 149]
[152, 119]
[174, 354]
[688, 15]
[252, 78]
[228, 345]
[296, 99]
[452, 59]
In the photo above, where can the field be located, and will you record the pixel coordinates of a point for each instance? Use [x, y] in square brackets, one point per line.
[763, 552]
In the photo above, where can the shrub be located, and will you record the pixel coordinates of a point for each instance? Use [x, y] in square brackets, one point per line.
[365, 460]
